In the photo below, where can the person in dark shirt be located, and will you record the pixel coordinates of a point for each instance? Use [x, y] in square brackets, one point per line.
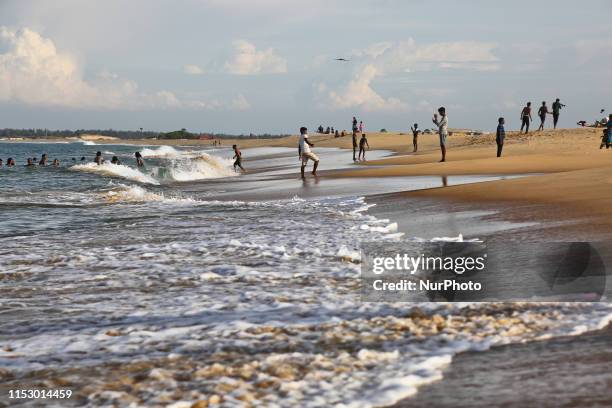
[542, 112]
[500, 136]
[354, 145]
[556, 110]
[526, 117]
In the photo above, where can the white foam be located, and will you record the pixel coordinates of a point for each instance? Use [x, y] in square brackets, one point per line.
[161, 151]
[204, 166]
[114, 170]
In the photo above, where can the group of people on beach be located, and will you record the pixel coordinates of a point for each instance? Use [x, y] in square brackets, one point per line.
[99, 159]
[526, 118]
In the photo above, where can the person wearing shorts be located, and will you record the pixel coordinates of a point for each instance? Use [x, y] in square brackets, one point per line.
[526, 117]
[237, 158]
[305, 153]
[442, 124]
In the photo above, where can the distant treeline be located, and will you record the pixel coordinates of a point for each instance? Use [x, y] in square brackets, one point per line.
[127, 134]
[47, 133]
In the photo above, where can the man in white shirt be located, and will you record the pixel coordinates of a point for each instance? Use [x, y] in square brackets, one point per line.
[304, 152]
[442, 124]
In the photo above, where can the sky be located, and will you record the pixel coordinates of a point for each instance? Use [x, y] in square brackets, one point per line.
[268, 66]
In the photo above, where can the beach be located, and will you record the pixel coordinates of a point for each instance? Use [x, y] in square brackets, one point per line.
[189, 283]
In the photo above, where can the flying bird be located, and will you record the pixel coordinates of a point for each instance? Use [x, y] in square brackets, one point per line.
[342, 59]
[602, 111]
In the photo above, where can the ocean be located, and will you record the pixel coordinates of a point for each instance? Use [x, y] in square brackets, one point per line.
[186, 281]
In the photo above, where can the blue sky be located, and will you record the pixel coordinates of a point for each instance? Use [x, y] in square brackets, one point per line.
[267, 66]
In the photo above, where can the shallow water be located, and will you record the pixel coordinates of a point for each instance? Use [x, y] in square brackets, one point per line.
[187, 280]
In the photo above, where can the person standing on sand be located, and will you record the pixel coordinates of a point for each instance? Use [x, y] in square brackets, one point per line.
[556, 110]
[354, 145]
[363, 142]
[442, 124]
[542, 112]
[360, 126]
[355, 129]
[237, 157]
[304, 152]
[415, 136]
[526, 117]
[500, 136]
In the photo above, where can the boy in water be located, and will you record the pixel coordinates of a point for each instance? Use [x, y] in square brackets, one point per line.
[237, 157]
[43, 160]
[10, 162]
[363, 142]
[526, 117]
[99, 159]
[500, 136]
[29, 162]
[415, 136]
[56, 163]
[442, 124]
[304, 152]
[115, 160]
[139, 161]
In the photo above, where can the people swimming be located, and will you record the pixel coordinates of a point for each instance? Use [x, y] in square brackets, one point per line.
[363, 142]
[237, 158]
[500, 136]
[43, 160]
[10, 162]
[139, 161]
[442, 124]
[29, 162]
[304, 152]
[415, 136]
[542, 112]
[526, 117]
[115, 160]
[99, 159]
[56, 163]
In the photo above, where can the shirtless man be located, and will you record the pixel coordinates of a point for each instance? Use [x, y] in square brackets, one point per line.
[237, 157]
[526, 117]
[363, 142]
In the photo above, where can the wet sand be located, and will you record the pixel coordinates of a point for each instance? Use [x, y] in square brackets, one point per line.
[564, 372]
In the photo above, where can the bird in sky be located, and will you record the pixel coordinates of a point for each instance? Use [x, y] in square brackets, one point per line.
[342, 59]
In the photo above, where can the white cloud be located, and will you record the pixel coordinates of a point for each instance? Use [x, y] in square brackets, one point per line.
[247, 60]
[191, 69]
[408, 56]
[34, 72]
[359, 93]
[386, 58]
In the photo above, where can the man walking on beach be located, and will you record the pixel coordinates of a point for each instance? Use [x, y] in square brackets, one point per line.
[542, 112]
[304, 152]
[237, 157]
[442, 124]
[556, 110]
[526, 117]
[500, 136]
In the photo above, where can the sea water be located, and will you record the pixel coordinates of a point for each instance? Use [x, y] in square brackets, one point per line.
[164, 285]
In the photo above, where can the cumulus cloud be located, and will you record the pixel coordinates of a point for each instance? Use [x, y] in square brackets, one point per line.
[407, 56]
[359, 93]
[247, 60]
[386, 58]
[191, 69]
[34, 72]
